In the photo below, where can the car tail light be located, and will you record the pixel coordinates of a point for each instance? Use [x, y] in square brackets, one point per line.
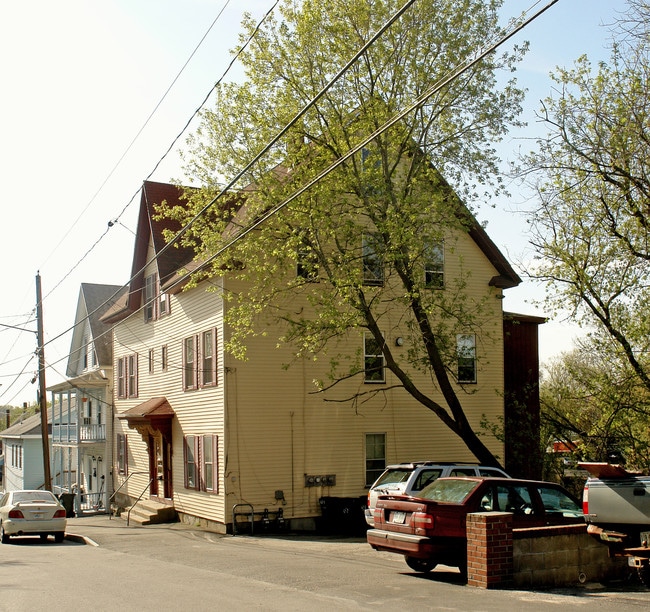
[368, 500]
[15, 514]
[378, 515]
[585, 500]
[422, 520]
[60, 513]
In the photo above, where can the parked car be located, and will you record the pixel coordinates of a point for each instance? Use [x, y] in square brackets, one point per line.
[31, 513]
[411, 478]
[430, 529]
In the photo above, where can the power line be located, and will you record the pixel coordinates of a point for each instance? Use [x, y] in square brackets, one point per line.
[135, 138]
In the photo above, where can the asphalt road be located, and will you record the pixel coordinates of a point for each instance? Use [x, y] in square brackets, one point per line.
[104, 565]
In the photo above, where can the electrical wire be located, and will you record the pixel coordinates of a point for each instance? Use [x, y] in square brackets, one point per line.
[135, 138]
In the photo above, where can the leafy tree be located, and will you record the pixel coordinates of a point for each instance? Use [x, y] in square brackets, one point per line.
[591, 230]
[596, 405]
[367, 230]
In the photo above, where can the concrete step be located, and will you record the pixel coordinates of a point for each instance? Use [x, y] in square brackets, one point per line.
[147, 512]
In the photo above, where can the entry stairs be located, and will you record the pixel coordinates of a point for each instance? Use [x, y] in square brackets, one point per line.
[148, 512]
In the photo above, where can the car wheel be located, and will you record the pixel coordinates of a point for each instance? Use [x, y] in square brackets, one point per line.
[420, 565]
[4, 536]
[58, 536]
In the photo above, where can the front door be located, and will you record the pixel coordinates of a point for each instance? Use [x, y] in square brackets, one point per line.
[160, 467]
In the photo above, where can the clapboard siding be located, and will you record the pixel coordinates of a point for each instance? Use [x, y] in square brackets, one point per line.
[273, 429]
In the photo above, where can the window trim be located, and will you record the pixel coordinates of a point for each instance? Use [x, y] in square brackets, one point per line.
[373, 269]
[197, 444]
[196, 369]
[464, 361]
[434, 267]
[122, 454]
[127, 376]
[368, 338]
[372, 473]
[191, 440]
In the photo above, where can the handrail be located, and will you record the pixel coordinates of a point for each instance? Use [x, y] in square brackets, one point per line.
[110, 499]
[128, 514]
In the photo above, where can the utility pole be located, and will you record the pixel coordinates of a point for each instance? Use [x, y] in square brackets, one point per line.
[42, 397]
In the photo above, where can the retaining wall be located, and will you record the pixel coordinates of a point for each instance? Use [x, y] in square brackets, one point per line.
[502, 557]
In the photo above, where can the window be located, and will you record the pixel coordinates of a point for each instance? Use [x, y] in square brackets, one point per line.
[85, 355]
[434, 264]
[122, 454]
[155, 304]
[210, 473]
[307, 263]
[163, 358]
[150, 291]
[191, 452]
[466, 352]
[127, 376]
[151, 366]
[121, 374]
[201, 467]
[164, 304]
[200, 360]
[132, 365]
[373, 266]
[375, 456]
[373, 359]
[189, 363]
[208, 361]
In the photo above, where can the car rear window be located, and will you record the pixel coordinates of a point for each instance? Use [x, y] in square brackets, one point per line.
[449, 490]
[394, 476]
[34, 496]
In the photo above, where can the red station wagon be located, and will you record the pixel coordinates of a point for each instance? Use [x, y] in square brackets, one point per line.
[430, 529]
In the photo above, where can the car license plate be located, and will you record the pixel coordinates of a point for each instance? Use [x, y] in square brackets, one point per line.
[37, 515]
[398, 517]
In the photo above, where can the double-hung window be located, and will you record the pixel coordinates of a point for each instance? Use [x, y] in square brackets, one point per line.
[373, 359]
[150, 297]
[200, 462]
[200, 360]
[375, 456]
[466, 354]
[434, 264]
[373, 264]
[127, 376]
[189, 363]
[155, 304]
[307, 263]
[122, 454]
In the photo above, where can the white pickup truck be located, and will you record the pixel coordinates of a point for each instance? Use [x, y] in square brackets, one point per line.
[616, 507]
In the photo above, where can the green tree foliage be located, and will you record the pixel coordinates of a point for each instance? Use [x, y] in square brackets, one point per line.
[596, 405]
[591, 228]
[362, 235]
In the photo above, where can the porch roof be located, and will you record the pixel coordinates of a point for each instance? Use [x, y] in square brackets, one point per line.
[154, 408]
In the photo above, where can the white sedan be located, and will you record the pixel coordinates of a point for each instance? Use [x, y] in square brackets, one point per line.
[31, 513]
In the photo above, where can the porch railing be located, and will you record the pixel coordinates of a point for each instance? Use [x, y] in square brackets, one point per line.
[67, 433]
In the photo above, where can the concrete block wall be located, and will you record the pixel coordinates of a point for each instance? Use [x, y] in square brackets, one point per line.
[500, 557]
[561, 556]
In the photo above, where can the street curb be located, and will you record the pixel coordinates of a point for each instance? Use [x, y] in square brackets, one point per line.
[79, 539]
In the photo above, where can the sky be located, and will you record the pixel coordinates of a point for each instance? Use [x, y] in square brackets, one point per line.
[93, 96]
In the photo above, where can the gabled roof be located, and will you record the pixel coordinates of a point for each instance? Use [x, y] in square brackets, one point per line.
[31, 426]
[151, 231]
[93, 302]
